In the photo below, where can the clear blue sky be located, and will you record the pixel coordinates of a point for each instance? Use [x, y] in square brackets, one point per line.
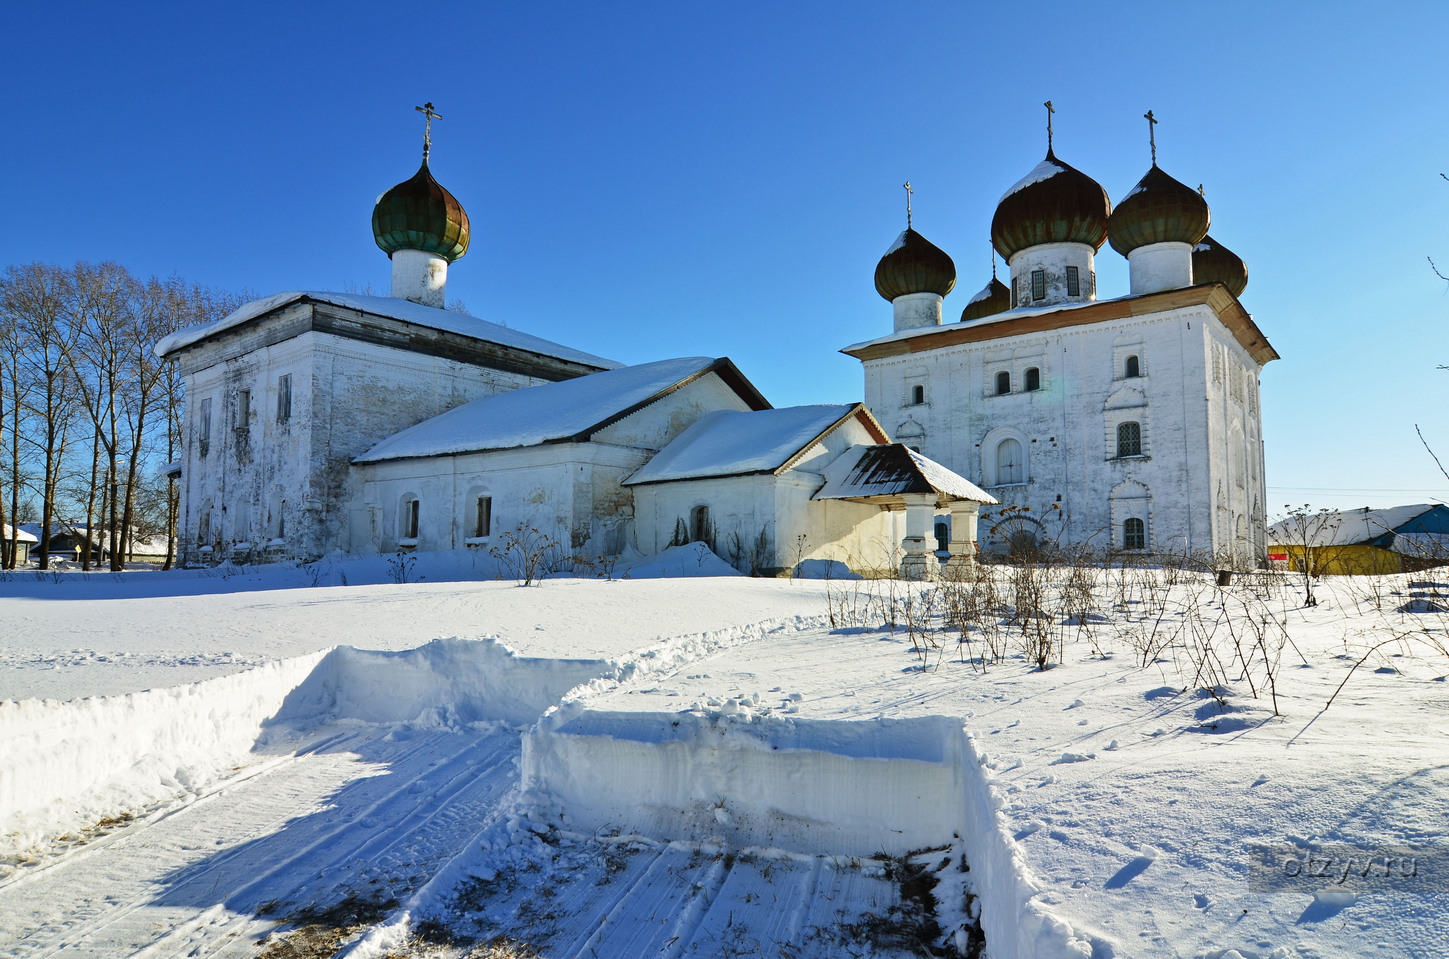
[650, 180]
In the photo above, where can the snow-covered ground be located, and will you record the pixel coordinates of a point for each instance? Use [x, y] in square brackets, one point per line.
[710, 765]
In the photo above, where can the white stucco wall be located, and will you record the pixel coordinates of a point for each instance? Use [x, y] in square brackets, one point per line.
[1075, 487]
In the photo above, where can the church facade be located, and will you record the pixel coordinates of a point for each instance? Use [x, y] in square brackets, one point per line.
[1129, 423]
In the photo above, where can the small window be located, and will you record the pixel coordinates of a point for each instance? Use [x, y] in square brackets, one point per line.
[1038, 284]
[1033, 379]
[1131, 368]
[1016, 285]
[1129, 439]
[205, 425]
[284, 398]
[1134, 534]
[243, 408]
[1074, 282]
[1003, 383]
[918, 395]
[408, 519]
[483, 516]
[699, 525]
[943, 536]
[203, 535]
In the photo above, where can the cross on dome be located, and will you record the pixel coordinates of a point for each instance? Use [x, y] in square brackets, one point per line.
[1152, 134]
[427, 110]
[1050, 111]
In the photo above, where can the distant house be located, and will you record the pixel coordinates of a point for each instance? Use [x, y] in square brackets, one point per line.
[23, 541]
[1393, 540]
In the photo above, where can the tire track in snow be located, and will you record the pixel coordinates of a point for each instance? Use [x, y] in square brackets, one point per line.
[336, 798]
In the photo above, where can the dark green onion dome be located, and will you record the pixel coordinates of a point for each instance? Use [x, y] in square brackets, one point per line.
[418, 214]
[914, 264]
[1214, 263]
[995, 297]
[1054, 203]
[1158, 210]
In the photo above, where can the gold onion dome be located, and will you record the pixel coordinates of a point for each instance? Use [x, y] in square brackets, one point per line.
[1054, 203]
[1214, 263]
[1158, 210]
[995, 297]
[418, 214]
[914, 264]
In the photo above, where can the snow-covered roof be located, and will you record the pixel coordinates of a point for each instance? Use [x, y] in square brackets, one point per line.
[732, 443]
[890, 470]
[1044, 170]
[10, 533]
[982, 294]
[1357, 526]
[395, 308]
[552, 412]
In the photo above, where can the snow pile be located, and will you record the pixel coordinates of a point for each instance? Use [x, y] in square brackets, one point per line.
[70, 765]
[807, 786]
[448, 682]
[692, 559]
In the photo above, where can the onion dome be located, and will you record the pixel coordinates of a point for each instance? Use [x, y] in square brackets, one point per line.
[1214, 263]
[1054, 203]
[1158, 210]
[995, 297]
[418, 214]
[914, 264]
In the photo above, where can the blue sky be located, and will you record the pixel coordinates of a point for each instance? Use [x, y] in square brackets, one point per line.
[650, 180]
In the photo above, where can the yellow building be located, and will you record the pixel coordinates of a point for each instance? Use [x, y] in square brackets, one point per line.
[1364, 541]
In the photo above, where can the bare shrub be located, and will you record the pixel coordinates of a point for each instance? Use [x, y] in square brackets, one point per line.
[526, 555]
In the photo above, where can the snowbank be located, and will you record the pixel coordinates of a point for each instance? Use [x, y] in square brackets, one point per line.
[446, 682]
[692, 559]
[69, 765]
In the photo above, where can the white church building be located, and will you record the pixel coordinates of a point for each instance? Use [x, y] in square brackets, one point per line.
[1130, 423]
[320, 422]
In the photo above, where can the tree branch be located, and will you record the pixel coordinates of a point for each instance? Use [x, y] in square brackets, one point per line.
[1431, 452]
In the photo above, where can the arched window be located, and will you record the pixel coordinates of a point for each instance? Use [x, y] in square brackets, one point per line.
[1129, 439]
[1134, 534]
[1010, 464]
[1003, 383]
[918, 395]
[1033, 379]
[482, 516]
[699, 531]
[407, 518]
[943, 536]
[1132, 367]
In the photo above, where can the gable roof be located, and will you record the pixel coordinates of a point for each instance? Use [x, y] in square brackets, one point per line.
[733, 443]
[395, 308]
[1365, 527]
[18, 534]
[1214, 296]
[867, 471]
[566, 411]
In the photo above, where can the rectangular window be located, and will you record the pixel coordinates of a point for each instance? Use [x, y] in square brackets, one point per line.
[284, 398]
[410, 519]
[483, 516]
[1033, 379]
[1038, 284]
[1016, 291]
[204, 427]
[1074, 282]
[243, 408]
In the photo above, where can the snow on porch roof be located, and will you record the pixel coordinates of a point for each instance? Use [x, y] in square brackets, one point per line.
[733, 443]
[449, 321]
[866, 471]
[555, 412]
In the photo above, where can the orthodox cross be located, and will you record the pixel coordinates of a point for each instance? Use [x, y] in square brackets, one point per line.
[1200, 191]
[1152, 134]
[993, 251]
[1050, 111]
[427, 110]
[909, 191]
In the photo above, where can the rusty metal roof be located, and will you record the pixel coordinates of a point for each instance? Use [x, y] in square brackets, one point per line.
[419, 214]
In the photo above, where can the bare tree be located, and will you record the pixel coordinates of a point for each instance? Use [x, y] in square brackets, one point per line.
[1310, 538]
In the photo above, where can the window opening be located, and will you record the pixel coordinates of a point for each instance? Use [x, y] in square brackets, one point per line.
[918, 395]
[1129, 439]
[699, 524]
[483, 516]
[1003, 383]
[243, 408]
[1009, 464]
[1134, 534]
[284, 397]
[1033, 379]
[205, 425]
[943, 536]
[410, 519]
[1132, 367]
[1038, 284]
[1074, 282]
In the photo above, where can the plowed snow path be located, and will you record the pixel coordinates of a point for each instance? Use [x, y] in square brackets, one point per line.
[368, 811]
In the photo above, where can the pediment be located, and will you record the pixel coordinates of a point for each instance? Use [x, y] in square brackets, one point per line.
[1126, 398]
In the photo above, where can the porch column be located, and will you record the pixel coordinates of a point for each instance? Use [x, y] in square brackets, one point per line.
[919, 563]
[963, 534]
